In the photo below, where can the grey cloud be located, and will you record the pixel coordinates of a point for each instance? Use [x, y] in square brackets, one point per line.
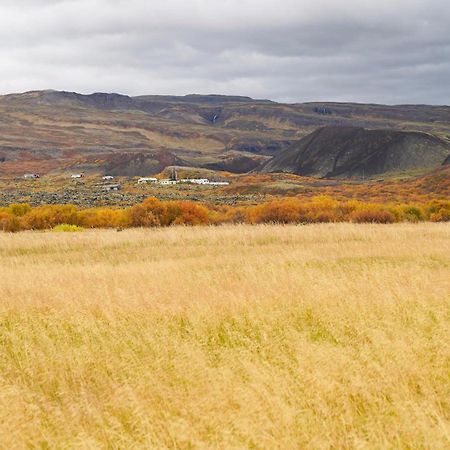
[289, 50]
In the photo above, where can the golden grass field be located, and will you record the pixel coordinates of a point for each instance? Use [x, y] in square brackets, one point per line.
[263, 337]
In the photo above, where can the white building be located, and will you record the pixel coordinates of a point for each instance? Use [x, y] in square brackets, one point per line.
[219, 183]
[145, 180]
[77, 175]
[167, 182]
[195, 180]
[31, 176]
[112, 187]
[108, 178]
[204, 181]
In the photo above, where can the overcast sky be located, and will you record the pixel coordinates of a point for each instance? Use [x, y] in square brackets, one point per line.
[383, 51]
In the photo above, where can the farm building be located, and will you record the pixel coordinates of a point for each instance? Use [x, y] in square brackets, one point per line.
[204, 181]
[167, 182]
[31, 176]
[219, 183]
[112, 187]
[146, 180]
[77, 175]
[108, 178]
[195, 180]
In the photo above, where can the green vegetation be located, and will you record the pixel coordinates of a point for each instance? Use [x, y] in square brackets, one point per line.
[66, 228]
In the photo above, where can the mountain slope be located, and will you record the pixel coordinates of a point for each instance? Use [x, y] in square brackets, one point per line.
[51, 131]
[353, 151]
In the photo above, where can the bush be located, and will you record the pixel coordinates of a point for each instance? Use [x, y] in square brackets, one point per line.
[411, 213]
[149, 213]
[320, 216]
[190, 213]
[103, 218]
[152, 212]
[278, 211]
[438, 211]
[67, 228]
[443, 215]
[9, 223]
[46, 217]
[19, 209]
[372, 216]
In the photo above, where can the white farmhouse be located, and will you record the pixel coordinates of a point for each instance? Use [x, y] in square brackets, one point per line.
[108, 178]
[219, 183]
[31, 176]
[200, 181]
[112, 187]
[146, 180]
[167, 182]
[77, 175]
[195, 180]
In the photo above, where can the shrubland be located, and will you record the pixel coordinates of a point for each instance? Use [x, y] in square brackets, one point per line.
[153, 212]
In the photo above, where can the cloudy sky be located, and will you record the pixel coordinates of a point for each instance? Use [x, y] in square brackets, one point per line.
[384, 51]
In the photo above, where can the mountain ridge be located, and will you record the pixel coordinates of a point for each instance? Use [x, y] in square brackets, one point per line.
[56, 131]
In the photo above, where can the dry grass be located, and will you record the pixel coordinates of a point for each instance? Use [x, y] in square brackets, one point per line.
[325, 336]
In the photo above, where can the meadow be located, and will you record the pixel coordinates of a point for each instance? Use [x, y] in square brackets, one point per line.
[234, 336]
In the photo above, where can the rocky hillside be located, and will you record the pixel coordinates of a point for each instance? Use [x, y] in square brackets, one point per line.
[57, 132]
[352, 151]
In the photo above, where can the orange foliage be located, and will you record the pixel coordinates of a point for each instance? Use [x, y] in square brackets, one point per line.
[288, 210]
[153, 212]
[45, 217]
[103, 218]
[372, 215]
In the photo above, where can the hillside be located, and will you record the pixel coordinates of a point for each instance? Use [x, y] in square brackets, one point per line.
[53, 132]
[352, 151]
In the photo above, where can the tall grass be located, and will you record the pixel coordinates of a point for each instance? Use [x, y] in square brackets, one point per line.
[320, 336]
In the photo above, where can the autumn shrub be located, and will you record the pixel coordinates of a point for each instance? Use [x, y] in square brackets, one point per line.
[19, 209]
[286, 210]
[438, 210]
[443, 215]
[153, 212]
[103, 218]
[410, 213]
[189, 213]
[149, 213]
[320, 209]
[46, 217]
[171, 213]
[218, 214]
[9, 222]
[372, 215]
[344, 209]
[66, 228]
[239, 214]
[4, 215]
[319, 216]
